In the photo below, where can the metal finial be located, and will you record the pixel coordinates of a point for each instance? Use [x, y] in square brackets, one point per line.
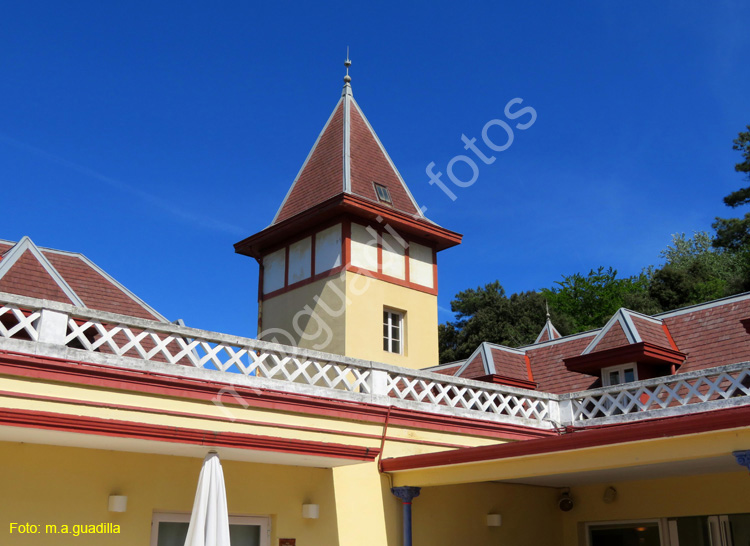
[347, 64]
[547, 306]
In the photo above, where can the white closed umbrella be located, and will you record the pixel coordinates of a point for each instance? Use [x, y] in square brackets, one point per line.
[209, 522]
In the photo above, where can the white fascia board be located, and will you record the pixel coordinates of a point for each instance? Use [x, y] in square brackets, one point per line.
[347, 140]
[489, 362]
[564, 339]
[109, 278]
[703, 306]
[12, 256]
[309, 155]
[473, 355]
[625, 323]
[388, 158]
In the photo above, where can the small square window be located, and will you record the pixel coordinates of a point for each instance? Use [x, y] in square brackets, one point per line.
[383, 194]
[393, 330]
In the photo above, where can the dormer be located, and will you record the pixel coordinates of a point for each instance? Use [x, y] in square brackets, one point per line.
[630, 347]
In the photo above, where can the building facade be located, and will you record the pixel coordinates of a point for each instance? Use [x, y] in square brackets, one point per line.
[338, 420]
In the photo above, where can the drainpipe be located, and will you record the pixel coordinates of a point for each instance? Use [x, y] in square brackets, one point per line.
[406, 494]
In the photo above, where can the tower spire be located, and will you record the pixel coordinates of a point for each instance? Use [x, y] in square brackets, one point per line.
[347, 78]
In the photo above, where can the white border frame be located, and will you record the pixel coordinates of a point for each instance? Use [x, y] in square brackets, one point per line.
[264, 522]
[401, 330]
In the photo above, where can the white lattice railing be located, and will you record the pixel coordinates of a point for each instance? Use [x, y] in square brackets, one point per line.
[162, 344]
[724, 385]
[168, 348]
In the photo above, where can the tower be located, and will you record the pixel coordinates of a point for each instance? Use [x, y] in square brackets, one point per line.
[349, 262]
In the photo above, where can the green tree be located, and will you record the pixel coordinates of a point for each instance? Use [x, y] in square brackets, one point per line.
[695, 271]
[488, 314]
[590, 300]
[734, 233]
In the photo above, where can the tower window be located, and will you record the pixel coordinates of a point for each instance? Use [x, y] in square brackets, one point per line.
[383, 194]
[393, 331]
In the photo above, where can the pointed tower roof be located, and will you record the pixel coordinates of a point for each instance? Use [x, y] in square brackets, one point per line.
[348, 170]
[548, 332]
[348, 158]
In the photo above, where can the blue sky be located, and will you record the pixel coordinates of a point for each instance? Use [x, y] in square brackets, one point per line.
[153, 136]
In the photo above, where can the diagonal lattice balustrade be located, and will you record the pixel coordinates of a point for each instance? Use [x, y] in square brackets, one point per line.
[117, 340]
[705, 386]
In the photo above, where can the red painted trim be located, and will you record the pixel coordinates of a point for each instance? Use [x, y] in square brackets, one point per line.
[346, 243]
[82, 373]
[263, 424]
[669, 337]
[392, 280]
[582, 438]
[325, 274]
[643, 353]
[528, 368]
[143, 431]
[357, 206]
[510, 381]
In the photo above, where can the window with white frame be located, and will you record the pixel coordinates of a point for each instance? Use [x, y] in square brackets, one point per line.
[170, 529]
[393, 331]
[617, 375]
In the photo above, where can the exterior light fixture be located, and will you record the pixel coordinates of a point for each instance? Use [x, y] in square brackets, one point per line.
[565, 503]
[117, 503]
[310, 511]
[494, 520]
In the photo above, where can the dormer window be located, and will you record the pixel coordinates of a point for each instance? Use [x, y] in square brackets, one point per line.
[384, 196]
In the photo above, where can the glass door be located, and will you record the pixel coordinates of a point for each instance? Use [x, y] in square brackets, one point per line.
[170, 529]
[722, 530]
[638, 533]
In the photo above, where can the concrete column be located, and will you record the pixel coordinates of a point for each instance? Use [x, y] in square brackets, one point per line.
[52, 326]
[406, 494]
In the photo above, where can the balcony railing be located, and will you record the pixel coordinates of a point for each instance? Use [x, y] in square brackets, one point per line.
[57, 329]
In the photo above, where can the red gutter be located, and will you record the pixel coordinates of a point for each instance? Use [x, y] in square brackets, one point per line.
[144, 431]
[581, 438]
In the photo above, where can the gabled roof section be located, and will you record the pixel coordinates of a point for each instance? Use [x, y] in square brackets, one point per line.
[628, 327]
[25, 271]
[548, 333]
[347, 158]
[67, 277]
[498, 364]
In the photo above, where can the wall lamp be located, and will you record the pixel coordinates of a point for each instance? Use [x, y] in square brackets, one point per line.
[494, 520]
[310, 511]
[118, 503]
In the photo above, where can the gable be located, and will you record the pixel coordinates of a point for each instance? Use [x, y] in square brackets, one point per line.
[28, 277]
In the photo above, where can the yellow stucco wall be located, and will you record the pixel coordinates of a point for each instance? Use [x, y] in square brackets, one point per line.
[69, 486]
[703, 495]
[311, 316]
[364, 322]
[455, 515]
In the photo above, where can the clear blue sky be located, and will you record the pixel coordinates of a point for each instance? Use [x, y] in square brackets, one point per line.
[151, 136]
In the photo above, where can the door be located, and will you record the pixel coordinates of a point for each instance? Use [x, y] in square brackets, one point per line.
[635, 533]
[722, 530]
[170, 529]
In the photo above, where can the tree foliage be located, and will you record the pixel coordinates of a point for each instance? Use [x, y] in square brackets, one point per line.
[734, 233]
[693, 270]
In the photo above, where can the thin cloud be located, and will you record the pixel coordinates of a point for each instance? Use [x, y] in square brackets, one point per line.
[153, 200]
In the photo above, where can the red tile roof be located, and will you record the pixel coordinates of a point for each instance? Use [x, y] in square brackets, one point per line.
[325, 175]
[615, 337]
[68, 278]
[28, 277]
[509, 364]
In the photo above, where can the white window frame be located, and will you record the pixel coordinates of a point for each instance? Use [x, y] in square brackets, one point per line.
[389, 338]
[621, 370]
[263, 522]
